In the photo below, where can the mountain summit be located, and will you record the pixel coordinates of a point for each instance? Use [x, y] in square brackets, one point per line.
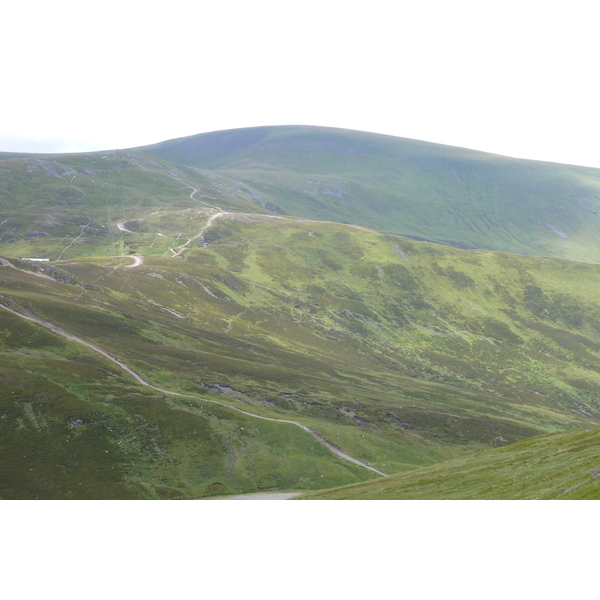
[444, 194]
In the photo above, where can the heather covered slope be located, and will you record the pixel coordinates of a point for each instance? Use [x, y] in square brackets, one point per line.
[401, 353]
[439, 193]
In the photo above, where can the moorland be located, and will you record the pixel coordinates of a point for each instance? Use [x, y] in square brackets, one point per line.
[248, 310]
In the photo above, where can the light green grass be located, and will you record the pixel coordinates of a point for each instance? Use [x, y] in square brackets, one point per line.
[560, 466]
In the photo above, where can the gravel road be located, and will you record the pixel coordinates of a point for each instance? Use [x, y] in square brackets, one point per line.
[260, 496]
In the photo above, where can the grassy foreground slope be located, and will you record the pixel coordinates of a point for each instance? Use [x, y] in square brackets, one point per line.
[561, 466]
[440, 193]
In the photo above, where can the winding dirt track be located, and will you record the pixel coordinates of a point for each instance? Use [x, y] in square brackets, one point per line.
[180, 249]
[121, 227]
[80, 234]
[259, 496]
[221, 213]
[65, 334]
[137, 261]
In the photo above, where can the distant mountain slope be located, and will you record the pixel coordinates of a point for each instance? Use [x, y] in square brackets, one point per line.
[46, 202]
[439, 193]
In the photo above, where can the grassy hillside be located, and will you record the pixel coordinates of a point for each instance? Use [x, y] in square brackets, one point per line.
[74, 427]
[559, 466]
[63, 206]
[449, 195]
[440, 193]
[401, 353]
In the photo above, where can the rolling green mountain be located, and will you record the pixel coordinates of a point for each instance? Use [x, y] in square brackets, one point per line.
[192, 335]
[439, 193]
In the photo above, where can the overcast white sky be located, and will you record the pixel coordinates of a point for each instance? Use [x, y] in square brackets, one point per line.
[512, 77]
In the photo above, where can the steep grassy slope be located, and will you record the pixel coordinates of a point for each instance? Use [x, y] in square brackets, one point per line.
[439, 193]
[401, 353]
[561, 466]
